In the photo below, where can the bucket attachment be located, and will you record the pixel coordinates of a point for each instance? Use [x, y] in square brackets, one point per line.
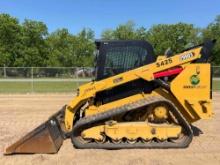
[46, 138]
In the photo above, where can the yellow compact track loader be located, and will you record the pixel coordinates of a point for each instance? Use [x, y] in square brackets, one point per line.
[135, 101]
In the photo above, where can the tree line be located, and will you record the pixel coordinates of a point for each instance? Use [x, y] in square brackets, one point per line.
[30, 44]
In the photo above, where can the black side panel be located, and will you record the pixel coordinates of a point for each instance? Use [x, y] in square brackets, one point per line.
[125, 90]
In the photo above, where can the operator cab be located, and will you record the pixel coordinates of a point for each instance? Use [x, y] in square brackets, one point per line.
[114, 57]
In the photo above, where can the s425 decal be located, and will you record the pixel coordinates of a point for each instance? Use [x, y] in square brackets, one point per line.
[164, 62]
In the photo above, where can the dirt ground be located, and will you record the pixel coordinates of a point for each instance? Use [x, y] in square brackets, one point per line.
[21, 113]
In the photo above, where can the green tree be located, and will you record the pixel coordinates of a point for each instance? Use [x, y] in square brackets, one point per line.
[174, 36]
[122, 32]
[108, 34]
[69, 50]
[125, 32]
[10, 40]
[34, 46]
[213, 32]
[84, 48]
[30, 44]
[161, 36]
[141, 33]
[61, 48]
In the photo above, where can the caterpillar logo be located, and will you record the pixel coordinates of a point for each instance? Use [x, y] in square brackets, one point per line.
[186, 56]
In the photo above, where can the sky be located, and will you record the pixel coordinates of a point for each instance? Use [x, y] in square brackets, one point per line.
[104, 14]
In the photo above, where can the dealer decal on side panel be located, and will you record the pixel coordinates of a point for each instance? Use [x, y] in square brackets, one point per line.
[186, 56]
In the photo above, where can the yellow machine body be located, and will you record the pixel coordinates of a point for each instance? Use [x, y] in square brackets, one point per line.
[157, 119]
[178, 86]
[195, 98]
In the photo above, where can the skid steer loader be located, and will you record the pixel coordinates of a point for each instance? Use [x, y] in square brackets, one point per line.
[135, 101]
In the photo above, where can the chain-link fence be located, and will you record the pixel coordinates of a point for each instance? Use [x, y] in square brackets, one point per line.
[54, 79]
[39, 79]
[216, 72]
[216, 78]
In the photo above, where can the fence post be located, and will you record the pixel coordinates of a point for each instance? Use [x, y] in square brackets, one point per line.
[32, 79]
[77, 78]
[5, 75]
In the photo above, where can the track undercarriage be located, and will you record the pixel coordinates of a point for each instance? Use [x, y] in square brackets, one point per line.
[150, 122]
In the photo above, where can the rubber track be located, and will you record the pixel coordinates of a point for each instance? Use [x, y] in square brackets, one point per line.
[90, 121]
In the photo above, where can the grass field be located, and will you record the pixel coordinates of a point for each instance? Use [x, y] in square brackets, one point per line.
[39, 86]
[51, 86]
[216, 85]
